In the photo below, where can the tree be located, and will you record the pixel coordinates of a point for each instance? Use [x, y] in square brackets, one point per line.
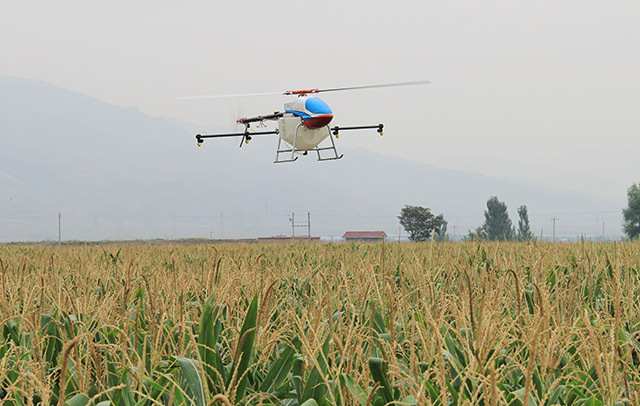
[524, 231]
[441, 232]
[631, 215]
[497, 224]
[478, 235]
[419, 222]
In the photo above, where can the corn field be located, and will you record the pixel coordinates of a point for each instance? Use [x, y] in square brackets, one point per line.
[321, 324]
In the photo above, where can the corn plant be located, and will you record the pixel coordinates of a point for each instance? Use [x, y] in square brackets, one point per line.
[321, 324]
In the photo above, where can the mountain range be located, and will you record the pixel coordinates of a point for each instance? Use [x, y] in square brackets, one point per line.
[117, 173]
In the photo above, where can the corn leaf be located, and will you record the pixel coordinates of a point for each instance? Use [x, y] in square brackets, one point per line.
[194, 381]
[379, 373]
[247, 336]
[80, 399]
[210, 326]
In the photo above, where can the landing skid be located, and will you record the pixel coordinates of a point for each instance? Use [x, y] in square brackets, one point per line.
[293, 150]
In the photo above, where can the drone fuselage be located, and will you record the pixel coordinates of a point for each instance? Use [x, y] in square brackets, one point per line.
[313, 112]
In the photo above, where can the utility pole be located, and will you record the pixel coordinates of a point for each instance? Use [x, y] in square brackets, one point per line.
[59, 229]
[292, 219]
[554, 219]
[211, 235]
[603, 231]
[399, 233]
[221, 224]
[455, 228]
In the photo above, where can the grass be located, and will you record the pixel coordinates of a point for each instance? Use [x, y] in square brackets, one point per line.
[321, 324]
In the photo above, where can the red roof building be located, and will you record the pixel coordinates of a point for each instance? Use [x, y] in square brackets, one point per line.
[366, 236]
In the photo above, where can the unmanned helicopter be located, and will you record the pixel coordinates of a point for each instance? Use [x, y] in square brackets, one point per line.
[302, 126]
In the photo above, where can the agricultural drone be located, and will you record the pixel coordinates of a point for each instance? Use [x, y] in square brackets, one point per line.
[302, 126]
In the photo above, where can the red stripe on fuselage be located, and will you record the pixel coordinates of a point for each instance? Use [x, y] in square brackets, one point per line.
[318, 121]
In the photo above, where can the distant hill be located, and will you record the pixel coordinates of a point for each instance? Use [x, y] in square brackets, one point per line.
[117, 173]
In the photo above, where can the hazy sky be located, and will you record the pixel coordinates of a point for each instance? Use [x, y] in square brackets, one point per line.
[547, 91]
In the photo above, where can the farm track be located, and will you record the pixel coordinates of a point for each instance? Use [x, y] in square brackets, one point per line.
[327, 324]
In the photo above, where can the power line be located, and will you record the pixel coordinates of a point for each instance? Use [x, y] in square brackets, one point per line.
[241, 214]
[27, 217]
[575, 213]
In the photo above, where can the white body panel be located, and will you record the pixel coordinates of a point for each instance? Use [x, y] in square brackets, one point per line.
[307, 139]
[298, 105]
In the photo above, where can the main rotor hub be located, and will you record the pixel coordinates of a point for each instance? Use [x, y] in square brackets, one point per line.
[301, 93]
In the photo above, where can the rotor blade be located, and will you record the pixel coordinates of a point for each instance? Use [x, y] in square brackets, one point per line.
[305, 91]
[227, 96]
[337, 89]
[236, 113]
